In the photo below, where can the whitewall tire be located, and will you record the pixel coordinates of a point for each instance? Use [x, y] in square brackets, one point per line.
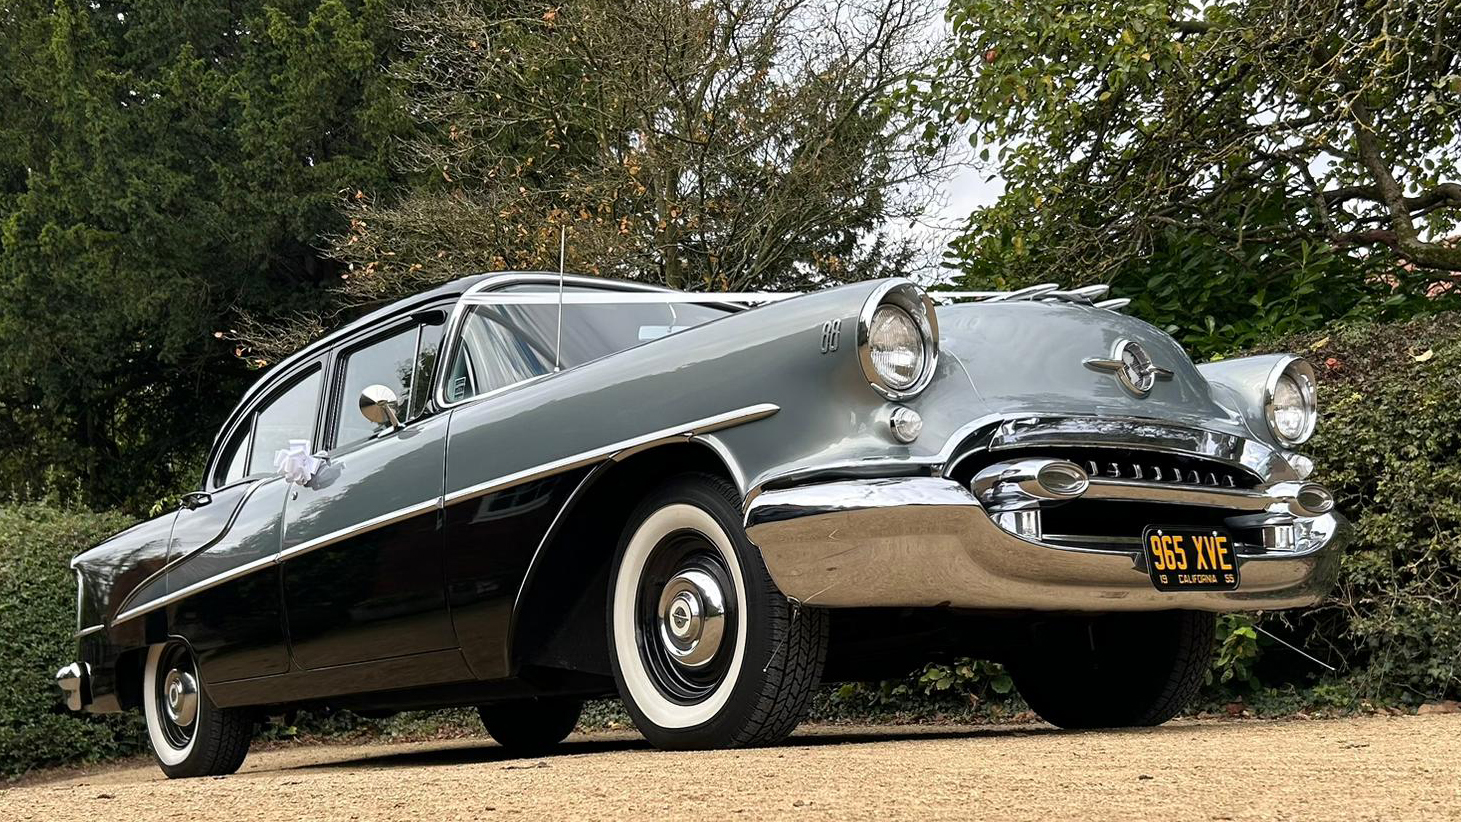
[189, 735]
[705, 651]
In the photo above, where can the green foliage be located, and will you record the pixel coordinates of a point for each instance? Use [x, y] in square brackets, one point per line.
[1215, 301]
[1236, 652]
[164, 166]
[706, 146]
[38, 611]
[962, 687]
[1249, 160]
[1389, 445]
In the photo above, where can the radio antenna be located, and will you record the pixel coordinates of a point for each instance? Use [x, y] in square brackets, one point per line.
[558, 344]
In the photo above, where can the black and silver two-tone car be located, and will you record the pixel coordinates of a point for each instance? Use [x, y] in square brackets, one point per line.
[519, 491]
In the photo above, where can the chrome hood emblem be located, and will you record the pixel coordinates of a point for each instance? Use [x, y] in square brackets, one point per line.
[1133, 367]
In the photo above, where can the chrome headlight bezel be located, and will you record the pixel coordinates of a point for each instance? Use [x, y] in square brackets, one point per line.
[1302, 373]
[911, 300]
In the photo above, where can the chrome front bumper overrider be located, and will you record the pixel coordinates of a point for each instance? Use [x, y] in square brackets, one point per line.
[925, 541]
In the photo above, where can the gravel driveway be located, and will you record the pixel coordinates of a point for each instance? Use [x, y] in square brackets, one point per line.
[1373, 768]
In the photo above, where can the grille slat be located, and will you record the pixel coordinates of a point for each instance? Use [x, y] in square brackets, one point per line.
[1154, 468]
[1126, 463]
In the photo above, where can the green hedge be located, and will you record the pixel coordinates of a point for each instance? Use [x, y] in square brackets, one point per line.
[37, 621]
[1389, 445]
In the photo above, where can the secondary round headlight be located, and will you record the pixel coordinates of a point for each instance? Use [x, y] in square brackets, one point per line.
[1290, 402]
[896, 346]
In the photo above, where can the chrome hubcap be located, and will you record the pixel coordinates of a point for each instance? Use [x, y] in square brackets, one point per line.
[180, 697]
[691, 618]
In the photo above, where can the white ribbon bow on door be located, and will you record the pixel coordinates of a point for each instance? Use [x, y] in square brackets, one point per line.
[296, 463]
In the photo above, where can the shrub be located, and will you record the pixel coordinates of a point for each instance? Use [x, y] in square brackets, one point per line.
[1389, 446]
[38, 615]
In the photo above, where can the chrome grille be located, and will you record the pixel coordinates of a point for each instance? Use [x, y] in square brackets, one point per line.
[1154, 470]
[1130, 464]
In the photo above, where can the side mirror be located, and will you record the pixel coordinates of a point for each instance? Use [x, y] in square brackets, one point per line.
[380, 405]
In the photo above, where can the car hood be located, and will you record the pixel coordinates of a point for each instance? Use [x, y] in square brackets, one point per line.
[1031, 357]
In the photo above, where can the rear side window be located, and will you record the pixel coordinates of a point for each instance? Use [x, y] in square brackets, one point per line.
[235, 463]
[289, 416]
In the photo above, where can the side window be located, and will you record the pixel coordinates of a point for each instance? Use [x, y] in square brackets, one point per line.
[290, 416]
[403, 362]
[427, 353]
[234, 465]
[499, 348]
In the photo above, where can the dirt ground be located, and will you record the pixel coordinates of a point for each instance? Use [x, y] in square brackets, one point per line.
[1386, 768]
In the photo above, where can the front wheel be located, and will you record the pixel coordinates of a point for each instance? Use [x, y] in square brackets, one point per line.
[190, 736]
[705, 651]
[1115, 670]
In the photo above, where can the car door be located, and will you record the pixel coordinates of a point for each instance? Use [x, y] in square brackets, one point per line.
[225, 545]
[497, 355]
[362, 549]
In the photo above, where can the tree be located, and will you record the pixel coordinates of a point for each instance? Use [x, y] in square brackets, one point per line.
[163, 165]
[704, 145]
[1263, 133]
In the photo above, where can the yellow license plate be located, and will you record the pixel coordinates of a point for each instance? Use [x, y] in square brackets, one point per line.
[1190, 559]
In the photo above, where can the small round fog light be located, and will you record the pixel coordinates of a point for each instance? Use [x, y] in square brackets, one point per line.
[905, 424]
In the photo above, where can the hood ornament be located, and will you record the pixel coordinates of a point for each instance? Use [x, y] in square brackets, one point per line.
[1133, 367]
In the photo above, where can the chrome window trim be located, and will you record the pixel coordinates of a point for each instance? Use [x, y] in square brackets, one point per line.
[337, 405]
[688, 431]
[612, 297]
[280, 383]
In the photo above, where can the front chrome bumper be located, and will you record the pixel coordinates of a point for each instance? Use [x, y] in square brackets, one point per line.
[923, 541]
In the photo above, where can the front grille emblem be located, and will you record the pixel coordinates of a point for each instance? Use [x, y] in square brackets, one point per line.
[1132, 366]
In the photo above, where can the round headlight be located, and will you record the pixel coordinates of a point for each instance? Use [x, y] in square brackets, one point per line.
[896, 346]
[897, 340]
[1290, 403]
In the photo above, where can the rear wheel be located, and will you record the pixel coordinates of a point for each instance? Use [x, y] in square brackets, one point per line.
[705, 650]
[531, 726]
[190, 736]
[1115, 670]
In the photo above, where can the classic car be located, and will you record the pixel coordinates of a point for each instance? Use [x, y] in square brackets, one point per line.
[519, 491]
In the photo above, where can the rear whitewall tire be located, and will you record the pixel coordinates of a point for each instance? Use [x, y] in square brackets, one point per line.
[213, 742]
[705, 651]
[168, 754]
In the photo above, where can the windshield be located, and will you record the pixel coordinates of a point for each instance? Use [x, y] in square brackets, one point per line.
[506, 344]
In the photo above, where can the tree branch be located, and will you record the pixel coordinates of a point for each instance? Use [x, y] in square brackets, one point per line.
[1407, 239]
